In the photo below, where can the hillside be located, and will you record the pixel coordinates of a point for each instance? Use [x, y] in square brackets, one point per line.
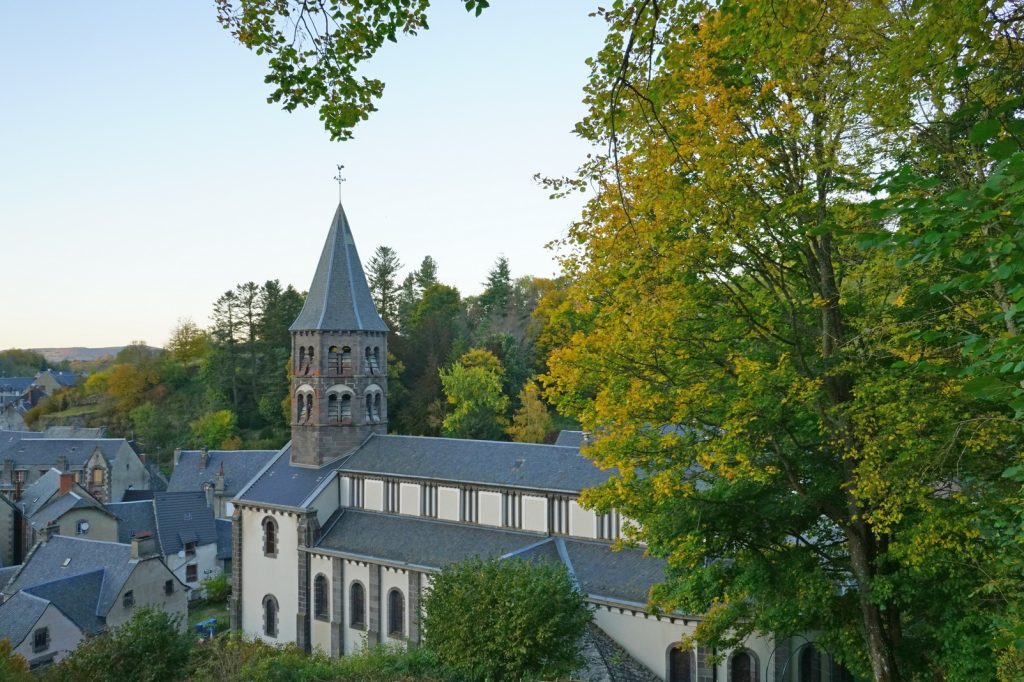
[76, 353]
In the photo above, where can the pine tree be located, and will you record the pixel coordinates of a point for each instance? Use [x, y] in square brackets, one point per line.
[382, 274]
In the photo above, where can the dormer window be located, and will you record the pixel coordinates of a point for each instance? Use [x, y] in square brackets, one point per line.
[190, 549]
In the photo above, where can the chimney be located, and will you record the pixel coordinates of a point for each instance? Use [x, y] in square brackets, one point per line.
[208, 489]
[62, 463]
[17, 490]
[143, 545]
[204, 458]
[218, 481]
[177, 455]
[67, 482]
[142, 458]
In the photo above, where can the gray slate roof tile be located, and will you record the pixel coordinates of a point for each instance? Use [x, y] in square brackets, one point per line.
[183, 518]
[76, 597]
[18, 615]
[286, 485]
[132, 518]
[339, 298]
[497, 463]
[240, 466]
[224, 539]
[571, 439]
[43, 451]
[626, 574]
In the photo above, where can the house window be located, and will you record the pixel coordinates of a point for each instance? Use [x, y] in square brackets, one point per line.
[333, 361]
[40, 640]
[192, 573]
[128, 600]
[810, 664]
[558, 515]
[190, 547]
[358, 486]
[97, 476]
[680, 665]
[269, 537]
[512, 510]
[81, 527]
[608, 526]
[742, 668]
[357, 605]
[321, 606]
[270, 613]
[396, 613]
[19, 476]
[391, 501]
[169, 587]
[428, 501]
[469, 507]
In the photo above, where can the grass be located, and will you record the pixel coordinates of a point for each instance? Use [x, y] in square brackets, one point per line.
[201, 610]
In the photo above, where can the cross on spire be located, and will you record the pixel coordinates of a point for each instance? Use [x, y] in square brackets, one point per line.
[339, 180]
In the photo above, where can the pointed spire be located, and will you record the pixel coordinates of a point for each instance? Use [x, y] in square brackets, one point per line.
[339, 298]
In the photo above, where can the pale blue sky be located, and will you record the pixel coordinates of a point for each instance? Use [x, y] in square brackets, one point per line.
[142, 172]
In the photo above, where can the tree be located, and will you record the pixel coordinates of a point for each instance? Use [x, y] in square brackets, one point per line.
[151, 647]
[13, 666]
[473, 389]
[426, 276]
[779, 386]
[532, 421]
[187, 343]
[497, 289]
[216, 430]
[382, 276]
[505, 620]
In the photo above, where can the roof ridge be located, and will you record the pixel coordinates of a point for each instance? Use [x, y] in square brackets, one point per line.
[477, 440]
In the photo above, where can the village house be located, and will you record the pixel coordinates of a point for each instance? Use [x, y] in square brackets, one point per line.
[221, 474]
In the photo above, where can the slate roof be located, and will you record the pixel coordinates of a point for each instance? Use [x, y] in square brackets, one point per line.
[224, 539]
[522, 465]
[570, 439]
[339, 298]
[65, 379]
[76, 597]
[35, 496]
[75, 432]
[15, 384]
[132, 518]
[18, 615]
[240, 467]
[61, 557]
[182, 518]
[131, 495]
[77, 498]
[42, 451]
[621, 575]
[286, 485]
[11, 439]
[6, 573]
[419, 541]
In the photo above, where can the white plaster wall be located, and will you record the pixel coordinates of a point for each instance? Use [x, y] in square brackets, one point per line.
[489, 509]
[355, 639]
[409, 498]
[127, 472]
[345, 491]
[320, 630]
[393, 578]
[206, 563]
[645, 638]
[146, 583]
[582, 522]
[101, 526]
[373, 495]
[64, 636]
[535, 513]
[264, 575]
[448, 503]
[326, 503]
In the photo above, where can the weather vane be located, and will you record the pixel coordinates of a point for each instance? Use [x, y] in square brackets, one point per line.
[340, 180]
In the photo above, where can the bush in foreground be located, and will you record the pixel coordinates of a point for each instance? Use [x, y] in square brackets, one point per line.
[505, 620]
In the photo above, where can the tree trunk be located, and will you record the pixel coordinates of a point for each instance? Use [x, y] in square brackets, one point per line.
[879, 642]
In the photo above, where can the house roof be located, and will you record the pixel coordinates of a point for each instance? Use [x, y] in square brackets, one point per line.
[15, 384]
[571, 439]
[6, 573]
[62, 557]
[240, 466]
[42, 451]
[182, 518]
[132, 518]
[625, 575]
[339, 298]
[65, 379]
[18, 616]
[522, 465]
[415, 540]
[280, 483]
[74, 432]
[76, 597]
[224, 539]
[55, 508]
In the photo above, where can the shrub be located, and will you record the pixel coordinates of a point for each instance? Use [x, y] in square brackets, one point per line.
[218, 588]
[500, 620]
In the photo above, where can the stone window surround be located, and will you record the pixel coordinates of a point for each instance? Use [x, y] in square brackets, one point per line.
[270, 520]
[321, 597]
[271, 629]
[353, 623]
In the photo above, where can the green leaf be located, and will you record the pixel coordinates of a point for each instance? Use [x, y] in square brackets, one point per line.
[985, 130]
[1003, 148]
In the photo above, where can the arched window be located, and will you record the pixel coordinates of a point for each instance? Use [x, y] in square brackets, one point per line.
[333, 360]
[302, 359]
[346, 359]
[269, 536]
[333, 410]
[840, 673]
[369, 407]
[309, 406]
[346, 409]
[376, 358]
[309, 359]
[742, 667]
[810, 664]
[680, 665]
[376, 407]
[357, 605]
[321, 605]
[396, 613]
[270, 613]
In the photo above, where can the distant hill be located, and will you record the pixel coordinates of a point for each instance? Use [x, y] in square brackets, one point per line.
[77, 353]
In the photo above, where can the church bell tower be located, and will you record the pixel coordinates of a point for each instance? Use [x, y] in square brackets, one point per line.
[339, 385]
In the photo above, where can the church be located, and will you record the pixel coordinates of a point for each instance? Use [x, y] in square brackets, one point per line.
[339, 534]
